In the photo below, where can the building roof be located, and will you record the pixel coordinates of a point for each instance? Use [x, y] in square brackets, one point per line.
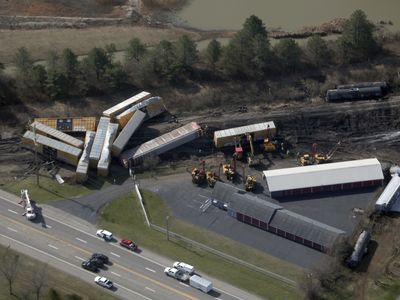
[323, 175]
[116, 109]
[390, 194]
[63, 137]
[306, 228]
[60, 146]
[240, 201]
[237, 131]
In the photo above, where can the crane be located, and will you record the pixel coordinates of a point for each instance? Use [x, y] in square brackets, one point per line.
[320, 158]
[29, 209]
[251, 161]
[249, 181]
[199, 175]
[230, 169]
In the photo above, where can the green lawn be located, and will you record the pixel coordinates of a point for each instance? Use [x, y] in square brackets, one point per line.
[125, 217]
[49, 189]
[65, 284]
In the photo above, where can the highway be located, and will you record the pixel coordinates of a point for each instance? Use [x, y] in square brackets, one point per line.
[64, 241]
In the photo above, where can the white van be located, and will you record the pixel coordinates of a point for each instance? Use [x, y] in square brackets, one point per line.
[184, 267]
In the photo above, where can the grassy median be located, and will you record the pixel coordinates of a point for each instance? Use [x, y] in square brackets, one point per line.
[125, 217]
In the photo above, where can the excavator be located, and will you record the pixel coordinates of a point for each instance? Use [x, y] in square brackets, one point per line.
[212, 177]
[199, 175]
[250, 181]
[305, 159]
[269, 146]
[230, 169]
[251, 160]
[321, 158]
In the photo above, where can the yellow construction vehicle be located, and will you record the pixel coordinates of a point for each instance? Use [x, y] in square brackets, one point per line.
[199, 175]
[250, 183]
[251, 160]
[321, 158]
[230, 170]
[212, 179]
[269, 146]
[305, 159]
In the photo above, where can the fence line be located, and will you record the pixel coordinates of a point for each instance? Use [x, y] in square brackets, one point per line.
[224, 255]
[141, 203]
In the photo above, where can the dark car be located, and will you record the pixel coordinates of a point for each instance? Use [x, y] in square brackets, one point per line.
[97, 262]
[128, 244]
[88, 265]
[102, 257]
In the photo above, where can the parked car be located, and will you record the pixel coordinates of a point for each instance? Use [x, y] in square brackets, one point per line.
[128, 244]
[97, 262]
[184, 267]
[88, 265]
[104, 234]
[102, 257]
[177, 274]
[104, 282]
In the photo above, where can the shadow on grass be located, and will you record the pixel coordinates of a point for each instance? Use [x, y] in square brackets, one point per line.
[363, 267]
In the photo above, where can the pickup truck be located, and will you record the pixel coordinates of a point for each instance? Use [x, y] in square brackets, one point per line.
[177, 274]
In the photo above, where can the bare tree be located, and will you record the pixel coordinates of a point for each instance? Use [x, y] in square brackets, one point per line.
[8, 267]
[39, 279]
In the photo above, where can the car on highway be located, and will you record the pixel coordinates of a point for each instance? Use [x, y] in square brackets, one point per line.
[177, 274]
[88, 265]
[106, 235]
[128, 244]
[103, 281]
[184, 267]
[97, 262]
[102, 257]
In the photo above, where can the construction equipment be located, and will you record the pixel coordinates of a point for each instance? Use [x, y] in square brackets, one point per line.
[238, 149]
[269, 145]
[305, 159]
[250, 183]
[29, 209]
[230, 169]
[321, 158]
[212, 179]
[251, 160]
[199, 175]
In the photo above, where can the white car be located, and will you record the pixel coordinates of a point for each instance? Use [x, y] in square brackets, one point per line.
[177, 274]
[104, 234]
[184, 267]
[104, 282]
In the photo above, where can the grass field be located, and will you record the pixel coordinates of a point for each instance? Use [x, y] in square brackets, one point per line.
[124, 217]
[50, 189]
[63, 283]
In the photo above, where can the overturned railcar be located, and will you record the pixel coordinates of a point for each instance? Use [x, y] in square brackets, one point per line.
[366, 93]
[360, 249]
[381, 84]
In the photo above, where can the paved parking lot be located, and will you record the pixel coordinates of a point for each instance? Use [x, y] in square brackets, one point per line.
[189, 203]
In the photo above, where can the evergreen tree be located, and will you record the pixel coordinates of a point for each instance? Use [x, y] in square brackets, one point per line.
[318, 51]
[288, 53]
[186, 53]
[213, 53]
[135, 51]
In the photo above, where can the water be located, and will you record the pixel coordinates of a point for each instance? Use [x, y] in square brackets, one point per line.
[286, 14]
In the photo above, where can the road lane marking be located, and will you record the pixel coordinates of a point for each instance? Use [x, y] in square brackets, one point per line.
[13, 211]
[12, 229]
[48, 226]
[79, 258]
[165, 286]
[181, 283]
[83, 241]
[68, 263]
[116, 274]
[225, 292]
[151, 270]
[51, 246]
[115, 254]
[149, 289]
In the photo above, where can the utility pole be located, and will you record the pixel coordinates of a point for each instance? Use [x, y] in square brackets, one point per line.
[36, 158]
[166, 220]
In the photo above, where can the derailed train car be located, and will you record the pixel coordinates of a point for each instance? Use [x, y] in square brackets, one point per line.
[360, 249]
[363, 93]
[382, 84]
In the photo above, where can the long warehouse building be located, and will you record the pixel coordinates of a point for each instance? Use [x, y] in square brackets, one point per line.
[56, 134]
[83, 165]
[324, 178]
[260, 131]
[275, 219]
[161, 144]
[51, 148]
[124, 105]
[127, 132]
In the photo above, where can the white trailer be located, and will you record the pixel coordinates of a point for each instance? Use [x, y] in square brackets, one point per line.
[200, 283]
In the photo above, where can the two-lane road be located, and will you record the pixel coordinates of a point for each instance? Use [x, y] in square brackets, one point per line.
[65, 246]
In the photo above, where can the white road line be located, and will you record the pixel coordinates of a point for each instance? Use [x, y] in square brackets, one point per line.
[149, 289]
[51, 246]
[48, 226]
[115, 254]
[79, 258]
[116, 274]
[151, 270]
[203, 196]
[225, 292]
[83, 241]
[12, 211]
[183, 284]
[72, 265]
[12, 229]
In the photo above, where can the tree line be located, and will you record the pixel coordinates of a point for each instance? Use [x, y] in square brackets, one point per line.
[249, 55]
